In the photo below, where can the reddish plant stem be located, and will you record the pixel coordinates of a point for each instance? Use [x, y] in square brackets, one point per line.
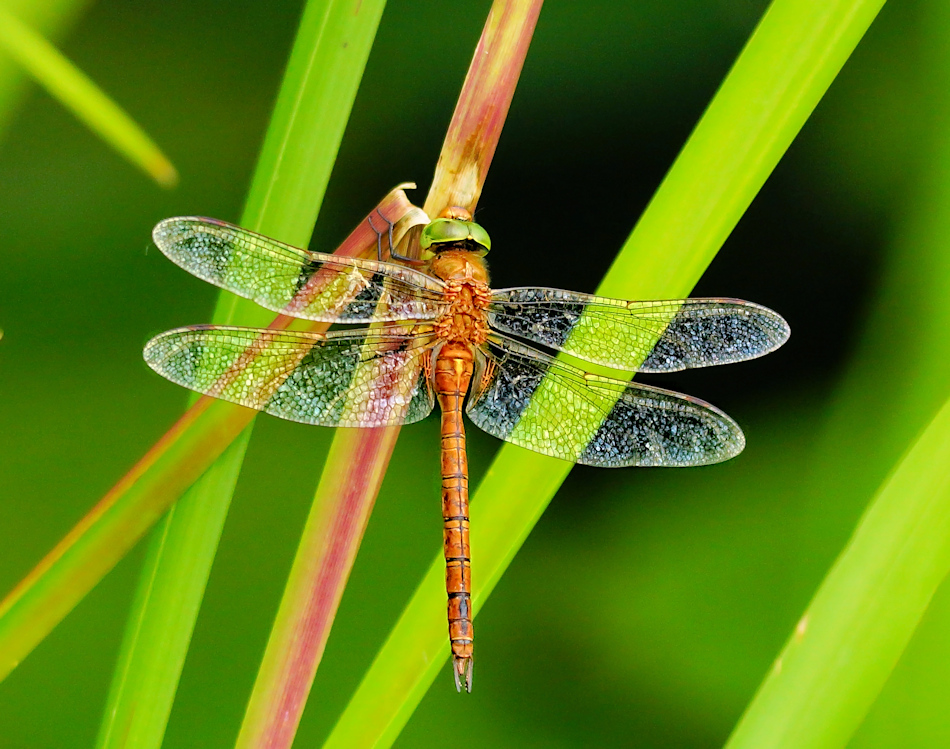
[358, 458]
[114, 525]
[325, 557]
[480, 114]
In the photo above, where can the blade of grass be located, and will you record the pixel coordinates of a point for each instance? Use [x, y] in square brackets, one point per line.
[315, 100]
[784, 70]
[358, 458]
[118, 521]
[77, 92]
[859, 450]
[165, 607]
[861, 619]
[51, 18]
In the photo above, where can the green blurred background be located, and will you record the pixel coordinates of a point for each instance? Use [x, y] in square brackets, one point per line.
[648, 604]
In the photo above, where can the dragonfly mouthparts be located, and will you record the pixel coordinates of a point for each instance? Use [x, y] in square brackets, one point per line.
[462, 669]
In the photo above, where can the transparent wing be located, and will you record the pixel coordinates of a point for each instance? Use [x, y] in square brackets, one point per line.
[535, 401]
[310, 285]
[351, 378]
[619, 334]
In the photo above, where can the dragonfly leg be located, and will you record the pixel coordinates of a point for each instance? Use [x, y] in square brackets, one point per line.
[379, 234]
[389, 232]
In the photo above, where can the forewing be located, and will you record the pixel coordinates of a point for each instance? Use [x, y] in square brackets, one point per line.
[639, 336]
[310, 285]
[535, 401]
[352, 378]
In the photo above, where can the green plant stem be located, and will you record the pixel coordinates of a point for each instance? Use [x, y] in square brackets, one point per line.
[784, 70]
[165, 607]
[324, 558]
[300, 147]
[76, 91]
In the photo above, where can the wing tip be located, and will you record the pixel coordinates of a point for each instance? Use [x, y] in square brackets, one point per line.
[784, 327]
[728, 434]
[167, 231]
[159, 349]
[774, 325]
[731, 445]
[167, 227]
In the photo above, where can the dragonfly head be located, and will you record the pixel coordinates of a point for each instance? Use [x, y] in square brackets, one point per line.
[454, 229]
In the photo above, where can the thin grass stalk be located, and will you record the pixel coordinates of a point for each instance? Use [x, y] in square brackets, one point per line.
[165, 607]
[358, 458]
[328, 546]
[482, 107]
[78, 93]
[183, 454]
[784, 70]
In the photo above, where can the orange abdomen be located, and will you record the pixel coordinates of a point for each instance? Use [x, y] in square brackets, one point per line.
[453, 372]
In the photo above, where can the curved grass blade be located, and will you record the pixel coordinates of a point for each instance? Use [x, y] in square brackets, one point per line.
[78, 93]
[784, 70]
[358, 458]
[847, 643]
[856, 455]
[51, 19]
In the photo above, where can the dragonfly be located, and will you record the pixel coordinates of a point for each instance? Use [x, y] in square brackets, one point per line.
[435, 332]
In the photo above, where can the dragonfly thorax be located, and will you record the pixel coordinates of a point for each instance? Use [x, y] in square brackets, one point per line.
[467, 296]
[454, 264]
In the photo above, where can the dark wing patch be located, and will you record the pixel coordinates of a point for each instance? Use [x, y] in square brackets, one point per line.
[661, 336]
[351, 378]
[535, 401]
[309, 285]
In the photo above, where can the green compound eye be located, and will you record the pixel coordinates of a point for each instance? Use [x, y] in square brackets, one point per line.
[443, 230]
[451, 231]
[478, 235]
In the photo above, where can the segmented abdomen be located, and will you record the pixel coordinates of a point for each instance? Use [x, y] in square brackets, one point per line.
[453, 372]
